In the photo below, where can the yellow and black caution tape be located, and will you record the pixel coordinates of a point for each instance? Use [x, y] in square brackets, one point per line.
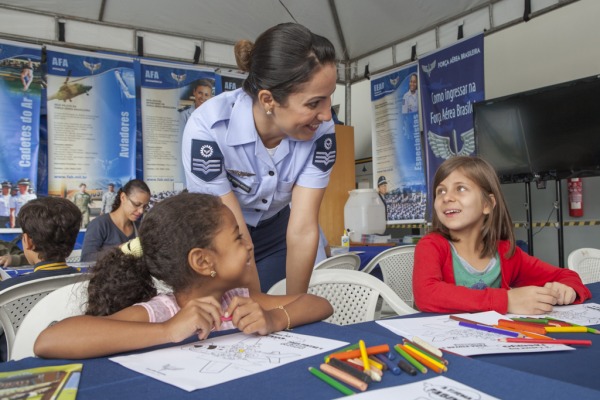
[554, 223]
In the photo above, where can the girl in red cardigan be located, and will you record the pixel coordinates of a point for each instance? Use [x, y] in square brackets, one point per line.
[469, 262]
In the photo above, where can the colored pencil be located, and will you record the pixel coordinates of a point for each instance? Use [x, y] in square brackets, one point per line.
[526, 334]
[566, 329]
[376, 363]
[459, 319]
[426, 361]
[345, 355]
[490, 329]
[522, 326]
[441, 360]
[427, 346]
[344, 377]
[374, 372]
[331, 382]
[543, 321]
[410, 359]
[570, 342]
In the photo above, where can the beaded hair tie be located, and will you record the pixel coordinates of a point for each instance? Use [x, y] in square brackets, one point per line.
[133, 247]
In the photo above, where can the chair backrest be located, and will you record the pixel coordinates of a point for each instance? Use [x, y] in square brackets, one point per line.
[586, 262]
[353, 295]
[396, 266]
[74, 257]
[63, 302]
[16, 301]
[341, 261]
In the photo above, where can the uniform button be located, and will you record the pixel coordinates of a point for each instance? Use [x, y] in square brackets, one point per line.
[271, 173]
[265, 201]
[257, 210]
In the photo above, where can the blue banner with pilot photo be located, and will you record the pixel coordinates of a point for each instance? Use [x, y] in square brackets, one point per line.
[170, 93]
[451, 81]
[91, 102]
[20, 93]
[398, 167]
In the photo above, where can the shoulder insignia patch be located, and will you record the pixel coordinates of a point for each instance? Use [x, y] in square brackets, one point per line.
[207, 159]
[325, 152]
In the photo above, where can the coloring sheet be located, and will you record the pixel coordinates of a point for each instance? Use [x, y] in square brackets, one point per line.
[434, 388]
[445, 333]
[579, 314]
[221, 359]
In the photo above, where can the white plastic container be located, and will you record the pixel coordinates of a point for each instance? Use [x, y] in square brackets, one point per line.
[364, 213]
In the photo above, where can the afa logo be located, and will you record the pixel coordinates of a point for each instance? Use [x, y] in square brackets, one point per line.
[60, 62]
[151, 74]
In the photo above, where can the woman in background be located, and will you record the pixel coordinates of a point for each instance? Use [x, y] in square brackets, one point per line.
[121, 224]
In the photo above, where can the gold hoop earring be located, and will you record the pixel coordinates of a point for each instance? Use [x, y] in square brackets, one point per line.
[213, 273]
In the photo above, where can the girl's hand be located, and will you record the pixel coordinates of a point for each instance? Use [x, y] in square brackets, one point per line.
[564, 294]
[532, 300]
[199, 316]
[249, 317]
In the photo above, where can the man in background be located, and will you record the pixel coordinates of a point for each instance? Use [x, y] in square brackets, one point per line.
[108, 199]
[382, 190]
[203, 90]
[17, 201]
[5, 205]
[82, 200]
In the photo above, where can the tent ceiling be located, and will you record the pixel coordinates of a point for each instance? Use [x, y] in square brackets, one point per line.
[364, 26]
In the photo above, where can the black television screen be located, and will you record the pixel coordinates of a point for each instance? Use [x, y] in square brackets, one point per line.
[548, 133]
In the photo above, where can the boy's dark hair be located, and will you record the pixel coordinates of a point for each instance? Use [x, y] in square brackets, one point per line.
[171, 229]
[53, 224]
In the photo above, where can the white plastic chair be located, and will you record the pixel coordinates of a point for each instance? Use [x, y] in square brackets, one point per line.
[341, 261]
[586, 262]
[63, 302]
[353, 295]
[396, 266]
[16, 302]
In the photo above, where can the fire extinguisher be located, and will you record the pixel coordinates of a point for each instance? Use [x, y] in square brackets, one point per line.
[575, 197]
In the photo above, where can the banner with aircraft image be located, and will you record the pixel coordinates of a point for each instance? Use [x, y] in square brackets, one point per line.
[91, 106]
[20, 93]
[170, 93]
[452, 79]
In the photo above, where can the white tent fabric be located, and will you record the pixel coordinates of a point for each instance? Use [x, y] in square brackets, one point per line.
[380, 33]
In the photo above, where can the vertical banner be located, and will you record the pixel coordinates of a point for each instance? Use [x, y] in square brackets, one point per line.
[451, 81]
[169, 94]
[91, 123]
[397, 155]
[20, 93]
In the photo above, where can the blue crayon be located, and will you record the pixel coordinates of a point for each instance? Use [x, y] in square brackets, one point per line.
[391, 366]
[391, 355]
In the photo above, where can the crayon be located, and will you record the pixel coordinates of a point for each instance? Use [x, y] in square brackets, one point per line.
[363, 355]
[490, 329]
[530, 335]
[349, 369]
[426, 361]
[344, 377]
[410, 359]
[569, 342]
[427, 346]
[390, 365]
[374, 372]
[347, 348]
[407, 367]
[331, 382]
[543, 321]
[345, 355]
[390, 355]
[376, 363]
[566, 329]
[522, 326]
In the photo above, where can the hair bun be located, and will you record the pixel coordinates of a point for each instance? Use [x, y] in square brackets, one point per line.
[242, 50]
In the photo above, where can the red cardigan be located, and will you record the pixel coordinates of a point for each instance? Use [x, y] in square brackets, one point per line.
[435, 289]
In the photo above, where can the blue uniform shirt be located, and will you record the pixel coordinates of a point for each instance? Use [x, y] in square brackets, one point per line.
[222, 151]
